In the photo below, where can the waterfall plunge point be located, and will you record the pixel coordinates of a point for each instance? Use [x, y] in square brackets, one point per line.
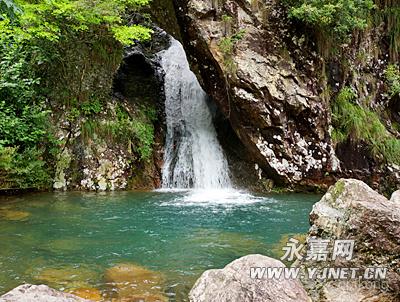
[193, 156]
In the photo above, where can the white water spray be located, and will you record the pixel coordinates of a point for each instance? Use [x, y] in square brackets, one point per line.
[193, 156]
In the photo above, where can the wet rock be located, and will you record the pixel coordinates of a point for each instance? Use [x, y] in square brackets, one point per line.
[233, 283]
[97, 158]
[65, 276]
[133, 282]
[29, 292]
[351, 210]
[65, 245]
[60, 182]
[14, 215]
[280, 119]
[89, 293]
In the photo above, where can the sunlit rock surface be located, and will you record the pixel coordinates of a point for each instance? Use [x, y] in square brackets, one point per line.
[65, 276]
[89, 293]
[43, 293]
[273, 84]
[352, 210]
[233, 283]
[396, 197]
[274, 108]
[132, 282]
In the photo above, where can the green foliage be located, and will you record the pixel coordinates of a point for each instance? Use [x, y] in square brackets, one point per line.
[237, 36]
[351, 122]
[54, 19]
[392, 74]
[125, 128]
[226, 18]
[127, 34]
[227, 47]
[23, 170]
[388, 13]
[393, 21]
[54, 53]
[72, 114]
[131, 129]
[10, 9]
[336, 18]
[21, 114]
[91, 106]
[146, 138]
[227, 23]
[151, 113]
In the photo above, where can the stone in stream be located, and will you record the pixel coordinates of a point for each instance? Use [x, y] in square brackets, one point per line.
[43, 293]
[89, 293]
[351, 210]
[14, 215]
[132, 282]
[65, 276]
[233, 283]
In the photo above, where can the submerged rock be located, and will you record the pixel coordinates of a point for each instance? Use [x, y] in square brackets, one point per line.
[351, 210]
[88, 293]
[66, 276]
[14, 215]
[132, 282]
[29, 292]
[233, 283]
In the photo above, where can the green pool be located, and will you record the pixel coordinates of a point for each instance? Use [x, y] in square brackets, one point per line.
[71, 240]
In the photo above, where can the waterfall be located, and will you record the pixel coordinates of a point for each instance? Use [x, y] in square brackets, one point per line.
[193, 156]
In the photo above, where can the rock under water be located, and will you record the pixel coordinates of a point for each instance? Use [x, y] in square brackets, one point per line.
[132, 282]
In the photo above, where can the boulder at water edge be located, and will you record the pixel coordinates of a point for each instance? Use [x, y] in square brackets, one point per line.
[233, 283]
[351, 210]
[43, 293]
[396, 197]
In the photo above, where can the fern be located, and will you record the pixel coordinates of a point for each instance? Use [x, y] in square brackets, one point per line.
[357, 124]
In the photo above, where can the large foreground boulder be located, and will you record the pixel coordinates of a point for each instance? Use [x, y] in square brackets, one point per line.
[351, 210]
[42, 293]
[234, 283]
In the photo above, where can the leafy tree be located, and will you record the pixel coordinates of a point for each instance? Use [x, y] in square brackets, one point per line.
[57, 18]
[21, 114]
[335, 18]
[10, 9]
[40, 45]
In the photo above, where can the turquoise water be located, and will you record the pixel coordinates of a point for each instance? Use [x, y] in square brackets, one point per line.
[70, 240]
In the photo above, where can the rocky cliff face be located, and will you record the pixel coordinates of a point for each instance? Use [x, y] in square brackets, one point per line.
[117, 144]
[272, 87]
[351, 210]
[270, 82]
[239, 53]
